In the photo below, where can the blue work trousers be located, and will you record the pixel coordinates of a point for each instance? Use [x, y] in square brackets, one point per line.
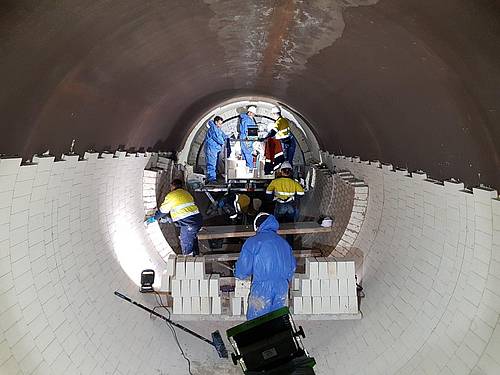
[211, 159]
[246, 151]
[266, 296]
[286, 213]
[288, 144]
[190, 226]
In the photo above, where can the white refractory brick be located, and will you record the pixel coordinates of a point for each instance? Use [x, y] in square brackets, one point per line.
[297, 305]
[305, 287]
[195, 305]
[332, 268]
[177, 302]
[171, 259]
[344, 304]
[205, 305]
[194, 288]
[165, 285]
[296, 282]
[185, 288]
[245, 306]
[9, 166]
[199, 268]
[326, 305]
[214, 285]
[204, 288]
[190, 262]
[343, 287]
[242, 288]
[216, 306]
[180, 267]
[322, 268]
[353, 304]
[341, 270]
[350, 268]
[316, 305]
[186, 305]
[236, 306]
[335, 305]
[316, 288]
[351, 286]
[312, 268]
[307, 305]
[334, 287]
[325, 287]
[176, 288]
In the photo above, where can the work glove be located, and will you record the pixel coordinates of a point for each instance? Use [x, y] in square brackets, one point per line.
[149, 220]
[158, 215]
[166, 220]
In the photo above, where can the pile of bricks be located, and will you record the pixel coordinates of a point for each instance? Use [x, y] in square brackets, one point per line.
[358, 213]
[194, 292]
[327, 287]
[149, 190]
[239, 299]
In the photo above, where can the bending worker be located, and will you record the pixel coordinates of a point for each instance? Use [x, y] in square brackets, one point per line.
[247, 120]
[281, 131]
[185, 214]
[284, 190]
[268, 259]
[214, 142]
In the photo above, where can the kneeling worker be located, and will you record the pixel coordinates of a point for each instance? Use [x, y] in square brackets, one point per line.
[185, 214]
[268, 259]
[284, 189]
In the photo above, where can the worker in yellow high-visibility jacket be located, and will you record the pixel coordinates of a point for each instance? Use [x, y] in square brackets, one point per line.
[281, 131]
[185, 214]
[285, 190]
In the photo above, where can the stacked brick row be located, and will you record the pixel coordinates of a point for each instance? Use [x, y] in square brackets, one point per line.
[194, 292]
[239, 299]
[331, 197]
[358, 213]
[149, 182]
[327, 287]
[156, 182]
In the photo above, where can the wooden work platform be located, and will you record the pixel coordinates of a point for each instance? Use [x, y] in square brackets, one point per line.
[228, 257]
[232, 231]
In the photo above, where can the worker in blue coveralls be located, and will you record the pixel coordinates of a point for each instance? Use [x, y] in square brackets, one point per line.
[268, 259]
[247, 120]
[214, 142]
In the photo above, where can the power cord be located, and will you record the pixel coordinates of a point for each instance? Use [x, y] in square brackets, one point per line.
[172, 328]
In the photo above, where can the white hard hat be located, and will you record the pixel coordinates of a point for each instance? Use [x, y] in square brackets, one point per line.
[252, 109]
[275, 110]
[286, 165]
[258, 221]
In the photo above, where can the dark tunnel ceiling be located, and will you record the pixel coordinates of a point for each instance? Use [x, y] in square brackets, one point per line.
[415, 83]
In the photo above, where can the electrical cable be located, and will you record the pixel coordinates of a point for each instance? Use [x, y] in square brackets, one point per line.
[172, 328]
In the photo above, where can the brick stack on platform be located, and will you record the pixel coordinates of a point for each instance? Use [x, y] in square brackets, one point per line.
[328, 286]
[194, 292]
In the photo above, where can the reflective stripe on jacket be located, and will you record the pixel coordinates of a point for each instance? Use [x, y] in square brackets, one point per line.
[284, 189]
[282, 127]
[180, 204]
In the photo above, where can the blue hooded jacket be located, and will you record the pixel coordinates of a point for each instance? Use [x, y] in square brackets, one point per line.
[245, 123]
[215, 137]
[266, 256]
